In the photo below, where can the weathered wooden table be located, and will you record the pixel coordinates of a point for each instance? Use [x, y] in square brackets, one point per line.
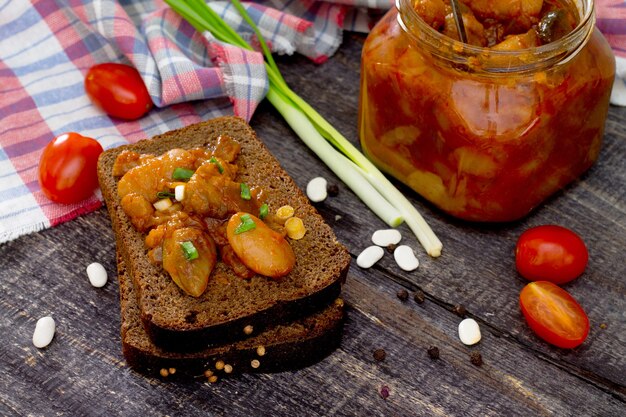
[83, 373]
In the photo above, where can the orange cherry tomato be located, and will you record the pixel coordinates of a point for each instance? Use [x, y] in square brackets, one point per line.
[553, 314]
[550, 253]
[118, 90]
[68, 168]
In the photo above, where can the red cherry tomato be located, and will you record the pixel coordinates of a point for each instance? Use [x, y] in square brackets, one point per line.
[68, 168]
[550, 253]
[118, 90]
[553, 314]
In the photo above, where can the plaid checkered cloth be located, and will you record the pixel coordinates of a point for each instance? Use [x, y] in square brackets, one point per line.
[611, 20]
[47, 46]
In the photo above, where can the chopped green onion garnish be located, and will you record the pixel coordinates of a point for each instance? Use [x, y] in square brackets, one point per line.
[182, 174]
[263, 211]
[246, 224]
[220, 168]
[245, 191]
[165, 194]
[189, 250]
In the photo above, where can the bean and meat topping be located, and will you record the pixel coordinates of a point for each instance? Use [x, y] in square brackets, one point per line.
[193, 211]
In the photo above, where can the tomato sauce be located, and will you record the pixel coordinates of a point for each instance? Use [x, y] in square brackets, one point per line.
[486, 131]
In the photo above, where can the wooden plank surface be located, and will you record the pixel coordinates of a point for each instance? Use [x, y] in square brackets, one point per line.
[83, 373]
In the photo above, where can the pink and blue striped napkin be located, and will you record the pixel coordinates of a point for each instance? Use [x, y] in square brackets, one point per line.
[47, 46]
[611, 20]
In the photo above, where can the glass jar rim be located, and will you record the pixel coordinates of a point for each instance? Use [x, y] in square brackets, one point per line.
[484, 59]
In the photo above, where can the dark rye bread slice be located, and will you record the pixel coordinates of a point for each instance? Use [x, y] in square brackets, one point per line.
[280, 348]
[230, 304]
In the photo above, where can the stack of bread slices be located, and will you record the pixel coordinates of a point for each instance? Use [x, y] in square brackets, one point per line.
[237, 325]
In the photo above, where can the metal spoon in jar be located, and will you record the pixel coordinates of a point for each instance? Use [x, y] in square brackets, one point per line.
[458, 20]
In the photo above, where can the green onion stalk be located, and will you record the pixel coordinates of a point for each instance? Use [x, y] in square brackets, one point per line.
[345, 160]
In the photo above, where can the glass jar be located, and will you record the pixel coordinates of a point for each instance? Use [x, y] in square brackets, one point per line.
[485, 135]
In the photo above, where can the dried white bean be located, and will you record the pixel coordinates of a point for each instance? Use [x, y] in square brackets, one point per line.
[369, 256]
[44, 332]
[179, 192]
[618, 94]
[97, 275]
[469, 332]
[405, 258]
[386, 237]
[316, 189]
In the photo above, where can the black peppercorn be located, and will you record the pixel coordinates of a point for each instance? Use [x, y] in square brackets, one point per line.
[459, 310]
[403, 295]
[332, 190]
[419, 297]
[384, 392]
[476, 358]
[380, 355]
[433, 352]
